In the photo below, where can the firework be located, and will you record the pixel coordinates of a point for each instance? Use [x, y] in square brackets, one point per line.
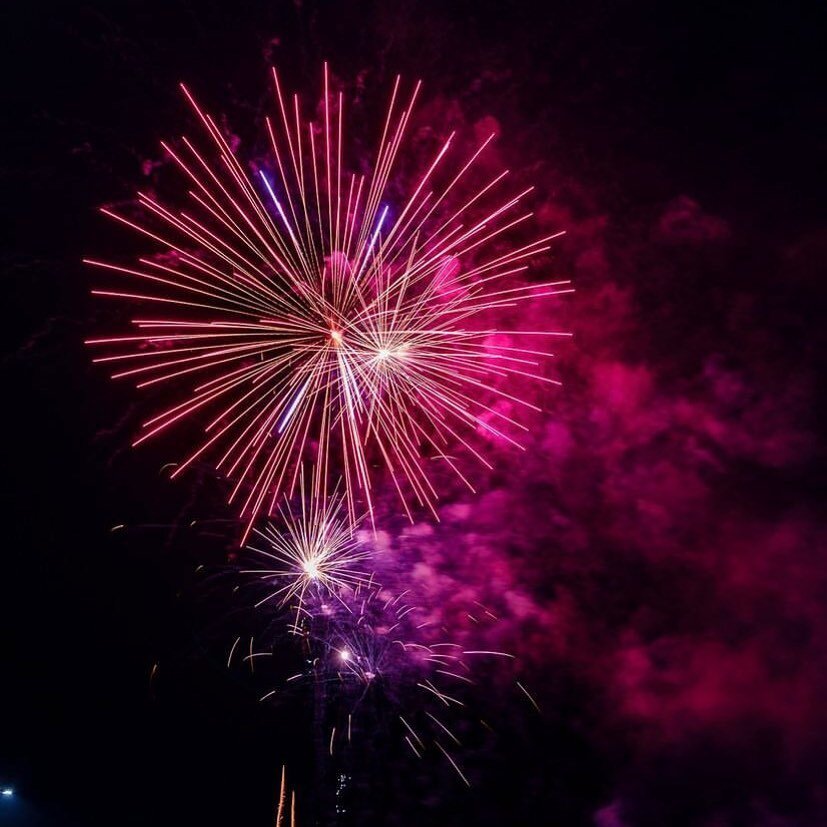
[374, 651]
[313, 549]
[298, 310]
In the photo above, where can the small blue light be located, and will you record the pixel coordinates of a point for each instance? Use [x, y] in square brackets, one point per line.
[7, 792]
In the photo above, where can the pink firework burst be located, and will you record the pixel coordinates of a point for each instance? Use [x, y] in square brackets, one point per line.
[301, 313]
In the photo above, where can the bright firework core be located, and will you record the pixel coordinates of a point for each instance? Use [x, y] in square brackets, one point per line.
[311, 568]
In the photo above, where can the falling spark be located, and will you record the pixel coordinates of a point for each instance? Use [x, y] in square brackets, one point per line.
[529, 696]
[410, 744]
[453, 764]
[232, 651]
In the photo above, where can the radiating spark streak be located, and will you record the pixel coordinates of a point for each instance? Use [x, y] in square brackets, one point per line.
[454, 675]
[279, 208]
[484, 652]
[304, 316]
[232, 651]
[411, 730]
[446, 699]
[372, 242]
[486, 610]
[529, 696]
[292, 407]
[444, 728]
[453, 763]
[413, 748]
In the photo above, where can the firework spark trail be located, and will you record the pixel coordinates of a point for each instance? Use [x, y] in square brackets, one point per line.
[281, 810]
[296, 311]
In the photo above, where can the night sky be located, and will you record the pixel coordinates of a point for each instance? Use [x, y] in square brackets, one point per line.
[656, 559]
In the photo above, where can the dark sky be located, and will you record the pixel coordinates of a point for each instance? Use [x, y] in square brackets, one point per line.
[658, 558]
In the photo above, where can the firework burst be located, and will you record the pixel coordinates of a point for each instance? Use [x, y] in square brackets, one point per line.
[314, 550]
[298, 310]
[374, 651]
